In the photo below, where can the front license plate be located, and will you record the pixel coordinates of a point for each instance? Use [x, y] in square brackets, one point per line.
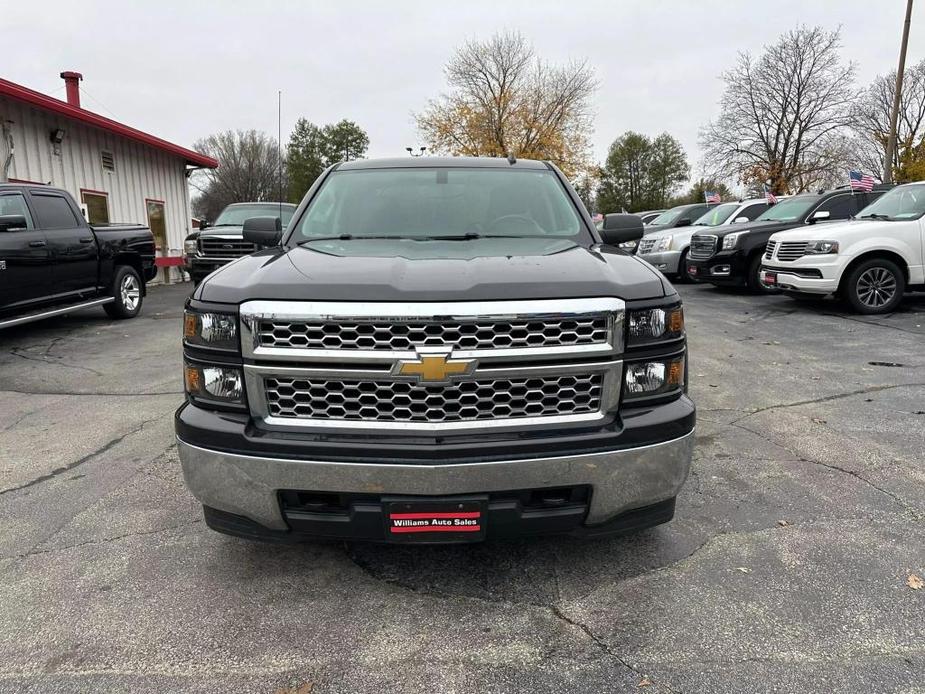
[769, 278]
[435, 521]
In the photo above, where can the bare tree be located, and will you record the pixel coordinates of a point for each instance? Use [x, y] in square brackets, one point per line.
[872, 118]
[784, 115]
[504, 101]
[248, 171]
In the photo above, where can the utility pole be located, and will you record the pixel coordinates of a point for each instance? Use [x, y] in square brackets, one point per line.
[897, 95]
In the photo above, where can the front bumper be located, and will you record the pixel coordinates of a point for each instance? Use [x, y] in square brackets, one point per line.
[818, 274]
[723, 268]
[198, 266]
[667, 262]
[621, 481]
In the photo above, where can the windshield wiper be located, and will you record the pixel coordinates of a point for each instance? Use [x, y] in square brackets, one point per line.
[471, 235]
[350, 237]
[875, 215]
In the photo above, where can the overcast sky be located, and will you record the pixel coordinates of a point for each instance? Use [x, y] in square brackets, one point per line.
[181, 70]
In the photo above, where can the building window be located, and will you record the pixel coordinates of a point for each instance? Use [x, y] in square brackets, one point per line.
[157, 221]
[97, 206]
[108, 160]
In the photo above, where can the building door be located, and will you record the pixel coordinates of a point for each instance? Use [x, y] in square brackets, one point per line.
[72, 244]
[97, 204]
[25, 260]
[157, 221]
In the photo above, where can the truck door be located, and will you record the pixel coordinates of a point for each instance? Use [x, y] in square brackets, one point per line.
[72, 244]
[25, 260]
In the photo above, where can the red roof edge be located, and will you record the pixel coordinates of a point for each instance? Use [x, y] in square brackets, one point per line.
[34, 98]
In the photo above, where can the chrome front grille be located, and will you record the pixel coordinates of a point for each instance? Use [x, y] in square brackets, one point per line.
[432, 367]
[703, 246]
[465, 335]
[791, 250]
[769, 250]
[645, 246]
[215, 247]
[325, 399]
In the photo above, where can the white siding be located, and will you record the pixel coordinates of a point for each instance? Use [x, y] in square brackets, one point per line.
[141, 172]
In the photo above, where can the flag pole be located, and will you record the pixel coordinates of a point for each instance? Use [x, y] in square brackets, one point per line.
[897, 95]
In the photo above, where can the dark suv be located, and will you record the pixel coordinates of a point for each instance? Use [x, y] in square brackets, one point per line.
[731, 256]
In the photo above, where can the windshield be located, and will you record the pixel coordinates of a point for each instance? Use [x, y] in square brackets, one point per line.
[788, 210]
[433, 203]
[717, 215]
[904, 202]
[236, 215]
[668, 216]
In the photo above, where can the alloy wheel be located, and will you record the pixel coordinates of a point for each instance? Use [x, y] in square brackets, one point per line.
[876, 287]
[130, 292]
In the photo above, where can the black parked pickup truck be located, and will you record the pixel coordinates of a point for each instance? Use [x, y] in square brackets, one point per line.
[210, 247]
[436, 350]
[731, 256]
[52, 262]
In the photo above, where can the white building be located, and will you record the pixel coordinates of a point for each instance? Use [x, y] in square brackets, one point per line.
[116, 172]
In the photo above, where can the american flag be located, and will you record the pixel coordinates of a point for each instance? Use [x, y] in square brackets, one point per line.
[859, 181]
[710, 196]
[769, 196]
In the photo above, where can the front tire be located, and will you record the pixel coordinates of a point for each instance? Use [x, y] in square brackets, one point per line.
[682, 276]
[127, 289]
[753, 279]
[874, 286]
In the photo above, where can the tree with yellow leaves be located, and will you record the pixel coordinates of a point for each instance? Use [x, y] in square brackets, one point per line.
[503, 101]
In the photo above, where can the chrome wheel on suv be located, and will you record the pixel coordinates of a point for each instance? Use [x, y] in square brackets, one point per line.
[875, 286]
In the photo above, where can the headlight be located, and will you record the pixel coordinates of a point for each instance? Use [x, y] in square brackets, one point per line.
[821, 247]
[216, 384]
[662, 244]
[211, 330]
[655, 324]
[190, 247]
[657, 377]
[730, 240]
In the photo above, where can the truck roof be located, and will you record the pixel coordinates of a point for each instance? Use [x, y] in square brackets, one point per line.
[23, 186]
[443, 162]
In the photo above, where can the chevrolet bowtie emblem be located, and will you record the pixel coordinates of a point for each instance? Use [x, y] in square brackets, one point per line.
[434, 368]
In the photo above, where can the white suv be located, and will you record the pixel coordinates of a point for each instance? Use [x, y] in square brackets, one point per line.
[667, 249]
[870, 261]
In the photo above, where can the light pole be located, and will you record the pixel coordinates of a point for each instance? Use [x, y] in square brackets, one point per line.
[897, 95]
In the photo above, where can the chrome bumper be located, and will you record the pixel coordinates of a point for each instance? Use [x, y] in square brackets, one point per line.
[622, 480]
[667, 262]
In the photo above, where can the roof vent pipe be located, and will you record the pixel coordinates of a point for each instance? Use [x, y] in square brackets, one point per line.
[72, 85]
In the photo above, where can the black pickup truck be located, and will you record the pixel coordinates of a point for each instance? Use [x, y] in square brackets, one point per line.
[731, 256]
[52, 262]
[212, 246]
[436, 350]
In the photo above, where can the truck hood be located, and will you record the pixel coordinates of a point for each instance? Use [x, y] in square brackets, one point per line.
[434, 271]
[822, 231]
[723, 229]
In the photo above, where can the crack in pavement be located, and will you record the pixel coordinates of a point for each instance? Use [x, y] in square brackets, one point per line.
[17, 353]
[875, 324]
[105, 540]
[828, 398]
[70, 466]
[830, 466]
[606, 648]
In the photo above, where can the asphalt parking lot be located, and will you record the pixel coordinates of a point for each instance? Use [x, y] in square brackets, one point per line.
[785, 568]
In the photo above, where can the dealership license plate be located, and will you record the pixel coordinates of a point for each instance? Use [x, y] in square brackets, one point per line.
[769, 278]
[435, 521]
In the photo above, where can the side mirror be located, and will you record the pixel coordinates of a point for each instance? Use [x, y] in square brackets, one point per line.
[684, 222]
[619, 228]
[203, 223]
[821, 214]
[263, 231]
[8, 222]
[741, 220]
